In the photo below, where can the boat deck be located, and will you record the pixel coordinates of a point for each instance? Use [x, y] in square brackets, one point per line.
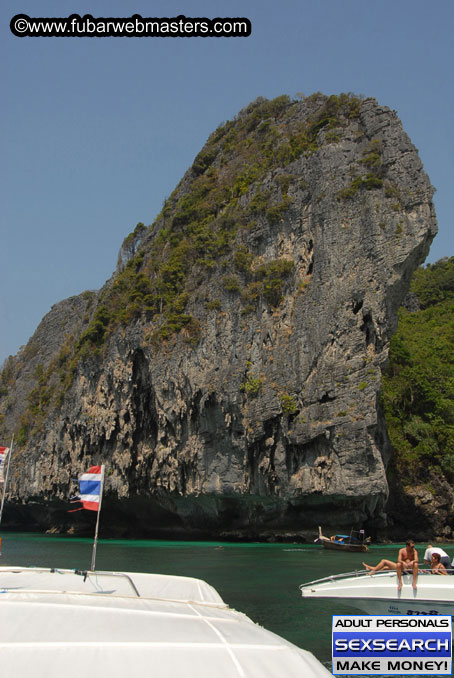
[136, 625]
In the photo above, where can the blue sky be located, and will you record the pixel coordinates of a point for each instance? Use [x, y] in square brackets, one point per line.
[95, 133]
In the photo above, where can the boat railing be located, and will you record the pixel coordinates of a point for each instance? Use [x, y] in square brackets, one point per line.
[361, 573]
[123, 575]
[335, 577]
[346, 575]
[86, 574]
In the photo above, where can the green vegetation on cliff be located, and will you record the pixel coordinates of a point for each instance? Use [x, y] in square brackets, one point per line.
[199, 229]
[196, 249]
[418, 388]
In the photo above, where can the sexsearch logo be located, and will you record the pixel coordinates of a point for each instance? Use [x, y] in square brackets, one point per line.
[392, 644]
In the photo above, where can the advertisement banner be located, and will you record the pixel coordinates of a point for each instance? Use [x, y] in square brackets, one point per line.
[392, 644]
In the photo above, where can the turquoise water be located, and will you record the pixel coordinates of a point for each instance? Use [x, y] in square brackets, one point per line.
[260, 580]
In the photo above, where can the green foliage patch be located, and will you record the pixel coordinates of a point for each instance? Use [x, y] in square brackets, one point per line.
[369, 182]
[252, 386]
[288, 404]
[272, 276]
[372, 160]
[418, 387]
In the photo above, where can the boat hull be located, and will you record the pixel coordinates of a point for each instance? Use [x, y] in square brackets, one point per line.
[358, 548]
[406, 606]
[378, 593]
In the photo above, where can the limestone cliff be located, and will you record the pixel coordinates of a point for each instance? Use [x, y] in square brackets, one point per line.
[228, 373]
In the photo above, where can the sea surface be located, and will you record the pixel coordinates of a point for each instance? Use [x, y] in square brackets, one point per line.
[260, 580]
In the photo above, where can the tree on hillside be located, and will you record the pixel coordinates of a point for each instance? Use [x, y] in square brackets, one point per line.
[418, 387]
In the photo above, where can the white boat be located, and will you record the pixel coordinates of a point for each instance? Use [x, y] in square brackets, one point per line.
[69, 623]
[377, 593]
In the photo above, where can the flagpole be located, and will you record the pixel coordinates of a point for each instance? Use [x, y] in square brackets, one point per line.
[95, 543]
[10, 454]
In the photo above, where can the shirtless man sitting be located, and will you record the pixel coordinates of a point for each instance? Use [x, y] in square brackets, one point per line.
[408, 560]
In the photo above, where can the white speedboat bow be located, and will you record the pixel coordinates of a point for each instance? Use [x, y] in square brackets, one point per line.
[377, 593]
[66, 623]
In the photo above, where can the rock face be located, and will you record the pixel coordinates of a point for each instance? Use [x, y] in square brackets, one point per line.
[228, 374]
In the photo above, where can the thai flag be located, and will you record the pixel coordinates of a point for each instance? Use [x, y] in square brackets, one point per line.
[3, 454]
[90, 484]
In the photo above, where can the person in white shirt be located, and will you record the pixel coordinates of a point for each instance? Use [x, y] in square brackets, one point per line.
[444, 558]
